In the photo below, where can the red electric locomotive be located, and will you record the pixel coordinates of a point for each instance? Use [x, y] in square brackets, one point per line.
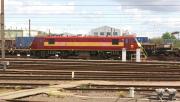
[91, 46]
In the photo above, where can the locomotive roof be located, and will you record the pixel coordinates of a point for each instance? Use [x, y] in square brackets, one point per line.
[90, 37]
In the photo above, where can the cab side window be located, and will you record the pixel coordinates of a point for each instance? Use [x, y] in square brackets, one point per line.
[115, 41]
[51, 41]
[126, 41]
[133, 41]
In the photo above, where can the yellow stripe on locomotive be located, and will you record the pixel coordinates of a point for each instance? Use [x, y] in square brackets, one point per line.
[121, 44]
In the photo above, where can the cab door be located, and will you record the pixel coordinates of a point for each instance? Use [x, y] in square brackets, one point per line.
[130, 43]
[127, 43]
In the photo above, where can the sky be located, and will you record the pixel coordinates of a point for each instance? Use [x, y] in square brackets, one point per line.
[148, 18]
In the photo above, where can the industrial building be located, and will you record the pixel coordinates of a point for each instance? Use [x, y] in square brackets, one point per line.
[66, 34]
[10, 36]
[106, 31]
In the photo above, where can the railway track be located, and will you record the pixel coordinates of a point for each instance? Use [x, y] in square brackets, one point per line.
[95, 87]
[16, 100]
[36, 69]
[92, 86]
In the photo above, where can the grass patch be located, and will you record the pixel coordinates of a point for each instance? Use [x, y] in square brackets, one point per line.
[58, 94]
[122, 94]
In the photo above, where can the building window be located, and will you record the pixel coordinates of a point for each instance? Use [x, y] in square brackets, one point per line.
[108, 33]
[101, 33]
[95, 33]
[115, 41]
[115, 33]
[51, 41]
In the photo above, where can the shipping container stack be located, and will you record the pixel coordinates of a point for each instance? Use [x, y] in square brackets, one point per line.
[24, 42]
[143, 40]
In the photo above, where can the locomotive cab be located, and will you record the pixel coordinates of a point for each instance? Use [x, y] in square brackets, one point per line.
[131, 44]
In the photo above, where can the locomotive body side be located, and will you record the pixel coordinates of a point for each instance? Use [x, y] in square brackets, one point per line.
[84, 43]
[101, 47]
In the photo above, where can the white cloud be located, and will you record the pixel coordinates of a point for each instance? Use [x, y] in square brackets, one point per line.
[143, 11]
[12, 3]
[152, 5]
[39, 8]
[150, 21]
[145, 17]
[173, 22]
[134, 13]
[87, 14]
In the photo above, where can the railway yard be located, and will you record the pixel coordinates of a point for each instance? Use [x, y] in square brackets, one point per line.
[51, 80]
[89, 69]
[89, 51]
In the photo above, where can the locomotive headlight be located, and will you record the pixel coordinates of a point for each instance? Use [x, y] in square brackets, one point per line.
[132, 46]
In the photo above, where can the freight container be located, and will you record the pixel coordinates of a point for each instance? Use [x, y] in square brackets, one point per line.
[10, 44]
[24, 42]
[143, 39]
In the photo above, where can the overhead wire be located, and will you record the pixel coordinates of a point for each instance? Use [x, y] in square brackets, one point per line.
[11, 15]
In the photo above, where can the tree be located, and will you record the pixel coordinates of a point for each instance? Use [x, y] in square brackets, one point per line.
[173, 37]
[168, 35]
[156, 40]
[177, 44]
